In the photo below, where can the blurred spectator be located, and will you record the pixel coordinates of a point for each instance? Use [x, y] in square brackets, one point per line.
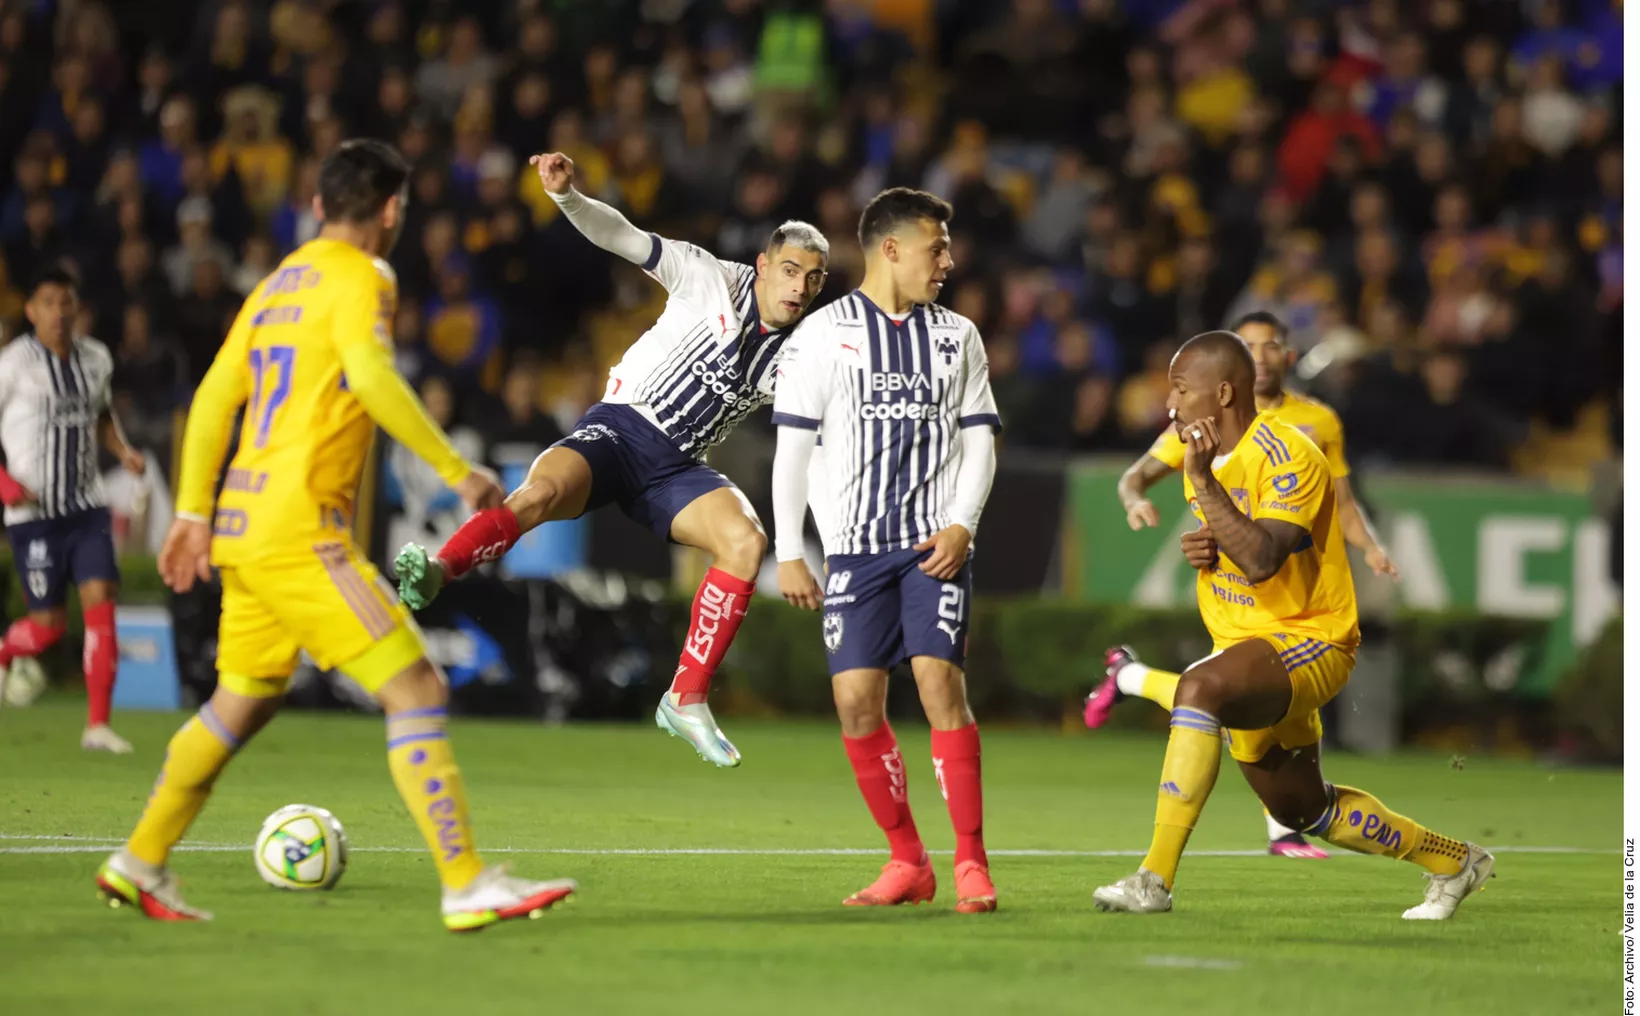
[1433, 190]
[150, 375]
[443, 83]
[464, 328]
[430, 509]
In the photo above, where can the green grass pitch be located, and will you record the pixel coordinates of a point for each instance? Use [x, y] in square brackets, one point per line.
[759, 930]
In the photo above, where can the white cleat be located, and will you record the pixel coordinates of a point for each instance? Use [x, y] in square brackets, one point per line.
[124, 881]
[102, 738]
[694, 724]
[496, 896]
[1445, 892]
[1140, 893]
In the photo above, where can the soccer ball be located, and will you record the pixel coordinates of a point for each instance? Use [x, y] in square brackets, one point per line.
[301, 847]
[25, 683]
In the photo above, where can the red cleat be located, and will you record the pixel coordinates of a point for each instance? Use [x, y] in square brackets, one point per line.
[900, 882]
[975, 893]
[1105, 697]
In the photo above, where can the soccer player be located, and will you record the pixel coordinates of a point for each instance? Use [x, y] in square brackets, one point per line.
[898, 388]
[1276, 595]
[55, 412]
[703, 367]
[1266, 337]
[310, 358]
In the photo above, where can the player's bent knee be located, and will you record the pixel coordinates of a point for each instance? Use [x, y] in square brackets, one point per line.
[419, 686]
[740, 551]
[1202, 688]
[97, 592]
[242, 715]
[859, 698]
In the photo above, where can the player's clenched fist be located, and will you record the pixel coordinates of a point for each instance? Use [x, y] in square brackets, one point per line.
[1201, 444]
[556, 170]
[481, 489]
[1200, 549]
[798, 585]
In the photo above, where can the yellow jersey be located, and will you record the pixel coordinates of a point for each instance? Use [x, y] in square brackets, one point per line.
[309, 356]
[1312, 416]
[1276, 472]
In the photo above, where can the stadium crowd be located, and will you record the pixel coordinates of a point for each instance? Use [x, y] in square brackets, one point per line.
[1429, 193]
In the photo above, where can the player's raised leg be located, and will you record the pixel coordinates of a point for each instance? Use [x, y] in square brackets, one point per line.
[1246, 686]
[558, 487]
[1290, 782]
[873, 752]
[723, 524]
[1127, 677]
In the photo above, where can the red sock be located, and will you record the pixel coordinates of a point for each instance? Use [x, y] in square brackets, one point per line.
[880, 770]
[720, 604]
[102, 658]
[484, 537]
[25, 638]
[956, 766]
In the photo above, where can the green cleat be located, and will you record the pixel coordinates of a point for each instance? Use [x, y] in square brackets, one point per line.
[420, 577]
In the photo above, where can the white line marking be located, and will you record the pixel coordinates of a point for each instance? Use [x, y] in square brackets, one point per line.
[94, 844]
[1192, 962]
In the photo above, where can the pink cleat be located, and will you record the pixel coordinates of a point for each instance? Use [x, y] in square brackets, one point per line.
[1096, 710]
[1297, 848]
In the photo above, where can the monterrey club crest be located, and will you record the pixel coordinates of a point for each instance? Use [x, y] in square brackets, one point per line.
[832, 628]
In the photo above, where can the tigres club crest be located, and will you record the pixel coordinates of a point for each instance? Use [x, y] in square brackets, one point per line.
[832, 628]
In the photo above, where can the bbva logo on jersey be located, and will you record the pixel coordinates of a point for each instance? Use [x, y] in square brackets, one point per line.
[893, 381]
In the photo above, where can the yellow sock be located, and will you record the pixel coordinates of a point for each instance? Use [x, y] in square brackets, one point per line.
[1189, 771]
[424, 769]
[1158, 686]
[197, 754]
[1358, 821]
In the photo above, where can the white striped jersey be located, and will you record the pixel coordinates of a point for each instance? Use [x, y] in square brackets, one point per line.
[889, 398]
[707, 362]
[49, 408]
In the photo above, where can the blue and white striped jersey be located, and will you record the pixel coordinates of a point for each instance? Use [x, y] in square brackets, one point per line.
[889, 399]
[706, 363]
[49, 407]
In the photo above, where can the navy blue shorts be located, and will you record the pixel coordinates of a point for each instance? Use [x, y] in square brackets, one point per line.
[51, 553]
[636, 466]
[881, 609]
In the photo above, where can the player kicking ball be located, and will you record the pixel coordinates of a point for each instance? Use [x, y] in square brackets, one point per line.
[1276, 594]
[705, 365]
[55, 413]
[898, 388]
[310, 358]
[1266, 338]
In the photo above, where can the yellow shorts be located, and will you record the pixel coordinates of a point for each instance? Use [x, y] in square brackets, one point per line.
[1318, 670]
[331, 602]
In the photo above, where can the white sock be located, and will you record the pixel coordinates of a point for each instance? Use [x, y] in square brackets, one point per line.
[1130, 680]
[1276, 829]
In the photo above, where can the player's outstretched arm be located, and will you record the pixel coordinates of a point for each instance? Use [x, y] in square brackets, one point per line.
[390, 402]
[597, 221]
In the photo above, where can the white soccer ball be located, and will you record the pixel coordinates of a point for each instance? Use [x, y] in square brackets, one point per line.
[301, 847]
[25, 683]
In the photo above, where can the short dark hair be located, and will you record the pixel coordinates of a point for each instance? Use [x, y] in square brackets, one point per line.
[897, 206]
[357, 178]
[55, 275]
[1262, 317]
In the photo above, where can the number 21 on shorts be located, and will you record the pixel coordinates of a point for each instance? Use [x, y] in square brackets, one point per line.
[280, 361]
[951, 610]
